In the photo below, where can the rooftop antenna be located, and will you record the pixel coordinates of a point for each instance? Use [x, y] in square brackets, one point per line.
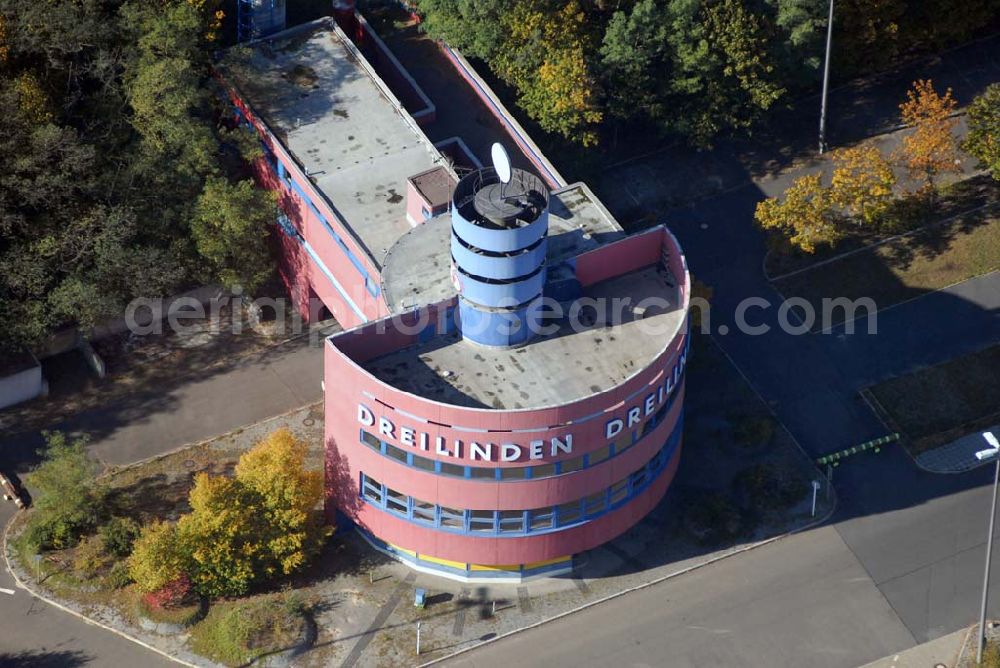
[501, 164]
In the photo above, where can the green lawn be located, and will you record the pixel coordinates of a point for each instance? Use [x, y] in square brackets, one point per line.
[907, 267]
[938, 404]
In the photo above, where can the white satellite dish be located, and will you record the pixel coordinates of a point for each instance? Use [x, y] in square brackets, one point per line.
[501, 162]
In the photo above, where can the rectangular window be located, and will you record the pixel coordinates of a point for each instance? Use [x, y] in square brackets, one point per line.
[571, 465]
[482, 520]
[395, 501]
[598, 456]
[372, 490]
[371, 441]
[511, 521]
[513, 472]
[568, 513]
[639, 478]
[395, 453]
[619, 491]
[423, 463]
[423, 512]
[540, 519]
[452, 469]
[623, 443]
[543, 471]
[647, 427]
[662, 413]
[425, 213]
[482, 473]
[595, 503]
[451, 518]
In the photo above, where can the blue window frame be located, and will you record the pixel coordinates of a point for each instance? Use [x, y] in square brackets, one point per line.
[520, 522]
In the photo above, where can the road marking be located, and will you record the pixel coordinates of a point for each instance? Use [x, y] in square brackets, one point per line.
[7, 591]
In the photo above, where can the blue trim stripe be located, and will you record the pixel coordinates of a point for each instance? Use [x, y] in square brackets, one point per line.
[286, 226]
[514, 523]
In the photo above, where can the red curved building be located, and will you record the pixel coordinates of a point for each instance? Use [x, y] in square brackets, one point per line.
[510, 390]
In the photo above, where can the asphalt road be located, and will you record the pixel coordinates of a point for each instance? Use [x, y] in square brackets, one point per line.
[764, 608]
[33, 634]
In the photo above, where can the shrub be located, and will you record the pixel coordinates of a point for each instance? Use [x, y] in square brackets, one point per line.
[118, 534]
[68, 500]
[237, 633]
[157, 557]
[174, 594]
[770, 487]
[118, 577]
[712, 518]
[89, 559]
[753, 432]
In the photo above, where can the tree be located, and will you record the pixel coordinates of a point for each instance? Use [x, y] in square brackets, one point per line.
[636, 62]
[930, 149]
[67, 497]
[862, 182]
[547, 58]
[474, 26]
[983, 138]
[223, 536]
[158, 557]
[230, 229]
[802, 26]
[274, 471]
[806, 216]
[262, 522]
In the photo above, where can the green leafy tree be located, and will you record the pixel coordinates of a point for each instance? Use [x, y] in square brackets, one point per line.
[67, 497]
[230, 229]
[474, 26]
[983, 138]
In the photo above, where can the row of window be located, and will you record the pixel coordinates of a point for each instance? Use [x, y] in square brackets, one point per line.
[279, 168]
[519, 522]
[624, 441]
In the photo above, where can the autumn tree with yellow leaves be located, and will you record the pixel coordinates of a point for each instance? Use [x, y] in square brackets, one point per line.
[931, 149]
[806, 215]
[263, 522]
[862, 183]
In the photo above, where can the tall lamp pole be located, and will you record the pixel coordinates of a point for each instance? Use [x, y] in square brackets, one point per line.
[826, 81]
[983, 455]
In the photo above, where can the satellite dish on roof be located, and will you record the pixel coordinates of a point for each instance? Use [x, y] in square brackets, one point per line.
[501, 162]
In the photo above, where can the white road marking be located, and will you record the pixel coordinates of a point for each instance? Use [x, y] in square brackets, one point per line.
[7, 591]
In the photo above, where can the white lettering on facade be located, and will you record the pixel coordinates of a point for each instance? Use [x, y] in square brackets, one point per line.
[385, 427]
[509, 452]
[633, 416]
[536, 449]
[365, 416]
[561, 446]
[406, 436]
[483, 452]
[614, 427]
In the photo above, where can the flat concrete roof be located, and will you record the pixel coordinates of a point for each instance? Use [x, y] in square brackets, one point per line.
[417, 269]
[343, 125]
[561, 367]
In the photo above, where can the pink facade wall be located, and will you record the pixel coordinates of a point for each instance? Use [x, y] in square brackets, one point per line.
[585, 420]
[615, 259]
[299, 271]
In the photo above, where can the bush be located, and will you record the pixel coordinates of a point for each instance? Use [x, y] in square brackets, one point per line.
[68, 500]
[157, 557]
[118, 577]
[118, 534]
[237, 633]
[712, 518]
[174, 594]
[768, 487]
[753, 432]
[89, 559]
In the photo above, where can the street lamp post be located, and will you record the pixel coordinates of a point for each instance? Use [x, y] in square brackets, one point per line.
[826, 81]
[983, 455]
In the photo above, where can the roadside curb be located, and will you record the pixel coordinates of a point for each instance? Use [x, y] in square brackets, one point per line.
[45, 599]
[644, 585]
[112, 469]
